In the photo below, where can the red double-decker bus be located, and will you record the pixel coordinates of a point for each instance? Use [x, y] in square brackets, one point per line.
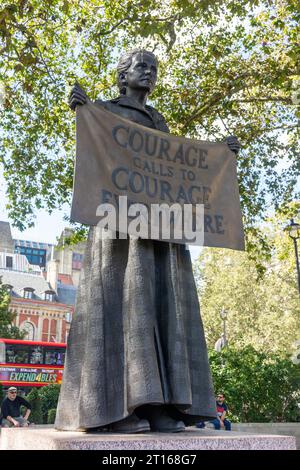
[31, 363]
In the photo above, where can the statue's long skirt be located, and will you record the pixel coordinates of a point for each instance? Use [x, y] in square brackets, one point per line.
[136, 337]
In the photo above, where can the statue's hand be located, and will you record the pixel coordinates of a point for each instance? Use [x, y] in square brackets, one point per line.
[77, 96]
[233, 143]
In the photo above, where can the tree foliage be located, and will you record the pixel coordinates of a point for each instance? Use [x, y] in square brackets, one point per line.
[226, 68]
[258, 387]
[263, 305]
[7, 328]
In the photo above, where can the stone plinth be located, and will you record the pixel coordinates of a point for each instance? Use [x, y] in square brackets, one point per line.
[46, 438]
[287, 429]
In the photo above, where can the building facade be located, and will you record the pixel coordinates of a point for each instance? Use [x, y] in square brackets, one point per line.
[39, 309]
[37, 253]
[69, 257]
[42, 297]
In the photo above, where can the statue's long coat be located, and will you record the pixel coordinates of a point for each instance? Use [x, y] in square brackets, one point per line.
[136, 336]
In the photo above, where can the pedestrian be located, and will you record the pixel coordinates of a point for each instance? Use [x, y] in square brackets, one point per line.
[11, 410]
[222, 409]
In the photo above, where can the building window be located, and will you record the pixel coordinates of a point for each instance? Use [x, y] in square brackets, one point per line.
[77, 260]
[28, 293]
[29, 329]
[8, 287]
[49, 295]
[35, 257]
[68, 317]
[9, 262]
[45, 331]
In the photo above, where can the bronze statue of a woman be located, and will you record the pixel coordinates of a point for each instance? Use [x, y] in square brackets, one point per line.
[136, 356]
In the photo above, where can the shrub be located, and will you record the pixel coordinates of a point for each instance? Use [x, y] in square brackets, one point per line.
[49, 396]
[51, 416]
[36, 412]
[258, 387]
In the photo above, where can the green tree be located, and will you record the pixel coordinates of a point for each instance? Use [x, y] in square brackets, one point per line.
[226, 67]
[263, 306]
[258, 387]
[49, 396]
[34, 399]
[7, 329]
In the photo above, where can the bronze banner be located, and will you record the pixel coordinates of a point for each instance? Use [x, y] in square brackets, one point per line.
[116, 157]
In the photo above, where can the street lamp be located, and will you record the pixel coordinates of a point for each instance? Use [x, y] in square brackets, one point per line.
[222, 341]
[294, 233]
[224, 315]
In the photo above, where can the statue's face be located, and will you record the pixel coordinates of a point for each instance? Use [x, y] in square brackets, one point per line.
[142, 72]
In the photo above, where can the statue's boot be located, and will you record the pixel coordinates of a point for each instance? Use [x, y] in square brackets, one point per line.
[130, 425]
[160, 421]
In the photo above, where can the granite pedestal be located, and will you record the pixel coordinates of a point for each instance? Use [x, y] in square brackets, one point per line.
[46, 438]
[287, 429]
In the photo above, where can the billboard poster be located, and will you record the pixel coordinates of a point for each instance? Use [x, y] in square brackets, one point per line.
[33, 376]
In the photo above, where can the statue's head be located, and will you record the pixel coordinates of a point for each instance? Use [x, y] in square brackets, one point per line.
[137, 69]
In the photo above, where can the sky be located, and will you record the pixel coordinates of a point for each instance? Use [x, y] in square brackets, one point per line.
[47, 227]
